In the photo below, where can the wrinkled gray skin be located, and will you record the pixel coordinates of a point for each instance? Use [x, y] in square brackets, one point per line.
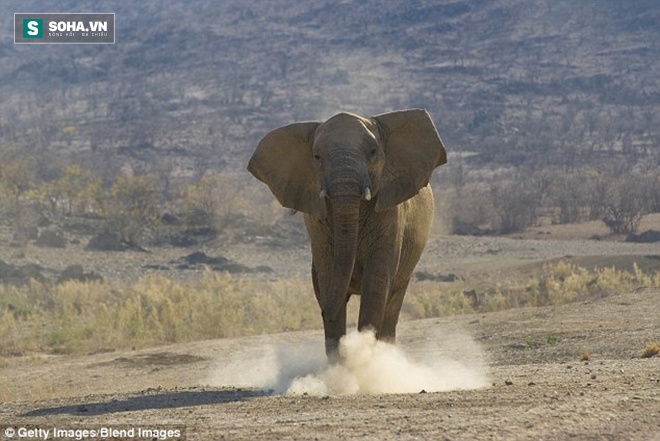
[362, 184]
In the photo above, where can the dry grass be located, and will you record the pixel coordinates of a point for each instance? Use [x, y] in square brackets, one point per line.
[77, 317]
[651, 350]
[80, 317]
[558, 284]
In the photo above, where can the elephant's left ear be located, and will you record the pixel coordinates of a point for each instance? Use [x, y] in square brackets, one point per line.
[413, 149]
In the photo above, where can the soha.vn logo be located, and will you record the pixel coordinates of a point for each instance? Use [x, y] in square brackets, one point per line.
[54, 28]
[33, 28]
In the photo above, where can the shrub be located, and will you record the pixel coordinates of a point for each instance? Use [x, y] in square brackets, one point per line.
[470, 210]
[516, 205]
[651, 350]
[17, 182]
[218, 201]
[626, 204]
[132, 207]
[74, 192]
[569, 196]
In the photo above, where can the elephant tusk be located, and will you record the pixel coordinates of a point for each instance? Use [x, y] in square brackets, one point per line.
[323, 194]
[367, 194]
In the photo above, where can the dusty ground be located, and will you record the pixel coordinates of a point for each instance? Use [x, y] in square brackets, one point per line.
[552, 373]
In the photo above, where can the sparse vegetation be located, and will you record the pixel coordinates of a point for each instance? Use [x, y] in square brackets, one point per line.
[503, 203]
[76, 191]
[105, 141]
[559, 283]
[516, 206]
[627, 203]
[80, 317]
[543, 105]
[132, 207]
[530, 343]
[213, 202]
[17, 178]
[651, 350]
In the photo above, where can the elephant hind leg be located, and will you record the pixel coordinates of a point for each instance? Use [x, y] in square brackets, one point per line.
[392, 310]
[372, 311]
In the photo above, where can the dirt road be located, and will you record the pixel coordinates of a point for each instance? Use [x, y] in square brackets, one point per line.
[569, 372]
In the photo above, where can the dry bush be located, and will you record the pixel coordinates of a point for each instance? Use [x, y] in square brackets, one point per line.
[209, 202]
[463, 201]
[17, 174]
[219, 201]
[653, 192]
[132, 207]
[651, 350]
[470, 210]
[74, 192]
[626, 204]
[618, 195]
[568, 195]
[516, 204]
[487, 204]
[505, 201]
[585, 355]
[17, 187]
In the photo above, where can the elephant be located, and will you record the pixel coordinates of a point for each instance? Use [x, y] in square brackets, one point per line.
[362, 185]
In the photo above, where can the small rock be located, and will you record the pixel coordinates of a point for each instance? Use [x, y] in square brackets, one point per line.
[50, 239]
[200, 257]
[106, 241]
[76, 272]
[648, 236]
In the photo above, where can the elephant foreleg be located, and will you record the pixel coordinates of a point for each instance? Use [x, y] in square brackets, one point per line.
[334, 329]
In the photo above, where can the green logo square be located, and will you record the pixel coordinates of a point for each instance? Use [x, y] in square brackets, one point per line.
[33, 28]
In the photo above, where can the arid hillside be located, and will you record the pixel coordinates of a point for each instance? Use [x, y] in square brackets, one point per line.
[195, 85]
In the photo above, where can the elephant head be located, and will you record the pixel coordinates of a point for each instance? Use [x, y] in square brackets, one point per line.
[328, 170]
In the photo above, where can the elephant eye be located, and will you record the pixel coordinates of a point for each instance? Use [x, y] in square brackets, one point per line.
[317, 157]
[373, 152]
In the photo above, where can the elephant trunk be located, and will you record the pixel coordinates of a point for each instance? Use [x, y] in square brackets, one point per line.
[345, 195]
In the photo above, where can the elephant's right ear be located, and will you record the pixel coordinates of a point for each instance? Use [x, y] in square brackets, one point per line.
[283, 160]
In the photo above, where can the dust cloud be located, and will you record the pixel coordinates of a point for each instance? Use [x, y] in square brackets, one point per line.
[368, 367]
